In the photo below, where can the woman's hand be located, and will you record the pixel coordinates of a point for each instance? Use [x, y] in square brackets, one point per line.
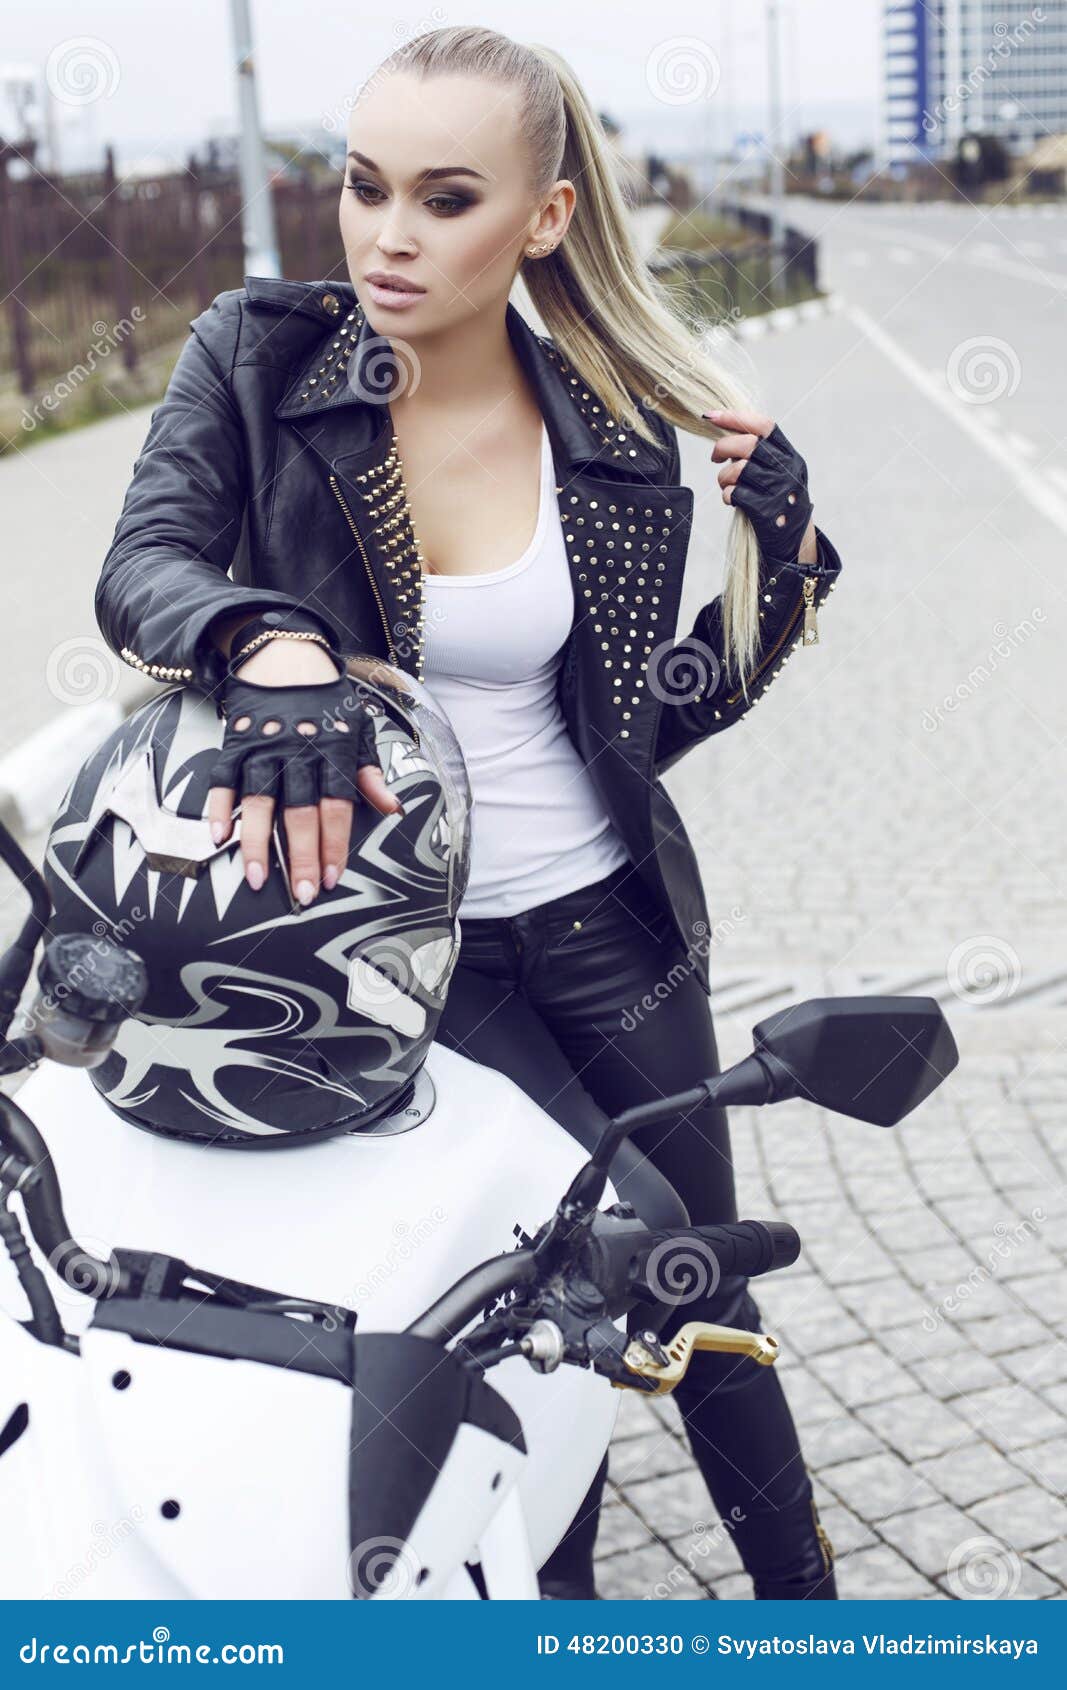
[774, 491]
[319, 833]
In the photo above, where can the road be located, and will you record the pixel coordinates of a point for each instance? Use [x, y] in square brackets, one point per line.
[890, 819]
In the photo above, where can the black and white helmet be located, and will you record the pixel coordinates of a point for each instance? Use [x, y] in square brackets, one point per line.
[266, 1022]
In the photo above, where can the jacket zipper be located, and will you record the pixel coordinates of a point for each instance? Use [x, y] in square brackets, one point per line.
[366, 564]
[811, 633]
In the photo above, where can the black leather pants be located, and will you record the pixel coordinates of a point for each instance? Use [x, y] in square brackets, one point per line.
[552, 997]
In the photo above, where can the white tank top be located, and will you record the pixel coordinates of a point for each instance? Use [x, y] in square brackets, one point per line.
[493, 645]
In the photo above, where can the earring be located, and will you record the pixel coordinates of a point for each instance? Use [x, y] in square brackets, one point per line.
[536, 251]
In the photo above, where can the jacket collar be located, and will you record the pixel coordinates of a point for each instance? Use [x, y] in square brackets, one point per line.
[625, 527]
[346, 367]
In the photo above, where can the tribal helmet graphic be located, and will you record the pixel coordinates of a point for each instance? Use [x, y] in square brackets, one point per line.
[266, 1022]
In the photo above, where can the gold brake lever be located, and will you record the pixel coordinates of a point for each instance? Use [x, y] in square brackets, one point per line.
[694, 1335]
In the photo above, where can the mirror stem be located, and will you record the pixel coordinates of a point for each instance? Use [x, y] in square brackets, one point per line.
[755, 1079]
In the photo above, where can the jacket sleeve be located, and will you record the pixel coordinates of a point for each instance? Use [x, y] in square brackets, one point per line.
[164, 580]
[706, 702]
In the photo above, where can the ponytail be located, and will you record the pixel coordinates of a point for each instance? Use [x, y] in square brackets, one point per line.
[613, 321]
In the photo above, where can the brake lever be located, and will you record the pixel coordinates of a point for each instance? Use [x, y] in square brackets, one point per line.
[662, 1367]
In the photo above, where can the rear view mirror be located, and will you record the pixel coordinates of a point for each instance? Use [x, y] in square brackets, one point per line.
[873, 1058]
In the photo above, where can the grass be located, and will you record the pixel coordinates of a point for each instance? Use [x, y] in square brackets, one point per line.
[62, 405]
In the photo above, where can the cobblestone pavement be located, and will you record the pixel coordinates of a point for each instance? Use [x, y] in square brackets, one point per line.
[858, 834]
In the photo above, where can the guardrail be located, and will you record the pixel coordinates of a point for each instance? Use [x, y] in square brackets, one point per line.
[751, 277]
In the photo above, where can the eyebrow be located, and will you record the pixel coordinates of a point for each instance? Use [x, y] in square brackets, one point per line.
[422, 175]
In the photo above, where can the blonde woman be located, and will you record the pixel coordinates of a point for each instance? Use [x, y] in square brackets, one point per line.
[400, 465]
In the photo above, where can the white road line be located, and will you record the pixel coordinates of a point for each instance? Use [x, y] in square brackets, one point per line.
[979, 255]
[1035, 487]
[1019, 443]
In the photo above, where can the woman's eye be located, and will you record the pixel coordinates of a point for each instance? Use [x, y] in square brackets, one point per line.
[442, 205]
[448, 204]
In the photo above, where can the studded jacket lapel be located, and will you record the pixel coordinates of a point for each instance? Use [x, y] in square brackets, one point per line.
[626, 539]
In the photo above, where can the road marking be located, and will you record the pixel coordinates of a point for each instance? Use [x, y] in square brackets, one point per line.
[1034, 486]
[991, 258]
[1019, 443]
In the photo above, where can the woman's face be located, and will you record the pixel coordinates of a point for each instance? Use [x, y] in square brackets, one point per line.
[437, 191]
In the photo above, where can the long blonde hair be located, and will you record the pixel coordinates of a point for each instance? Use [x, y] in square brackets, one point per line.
[611, 318]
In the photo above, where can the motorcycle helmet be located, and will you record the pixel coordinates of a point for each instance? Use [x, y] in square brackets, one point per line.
[266, 1022]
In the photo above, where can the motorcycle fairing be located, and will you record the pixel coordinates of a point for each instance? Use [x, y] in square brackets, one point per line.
[409, 1403]
[428, 1442]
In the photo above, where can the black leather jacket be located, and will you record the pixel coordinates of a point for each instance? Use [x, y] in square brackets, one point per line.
[272, 457]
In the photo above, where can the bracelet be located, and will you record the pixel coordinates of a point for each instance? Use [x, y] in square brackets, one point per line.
[279, 634]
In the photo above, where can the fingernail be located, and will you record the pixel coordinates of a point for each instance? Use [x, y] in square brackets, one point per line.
[330, 876]
[217, 832]
[254, 876]
[304, 891]
[711, 414]
[400, 810]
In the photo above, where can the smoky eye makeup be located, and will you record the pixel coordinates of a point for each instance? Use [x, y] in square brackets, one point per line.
[440, 203]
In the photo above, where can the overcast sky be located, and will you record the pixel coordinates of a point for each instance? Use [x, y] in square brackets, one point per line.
[678, 71]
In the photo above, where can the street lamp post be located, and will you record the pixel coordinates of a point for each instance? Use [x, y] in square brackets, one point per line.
[776, 184]
[257, 206]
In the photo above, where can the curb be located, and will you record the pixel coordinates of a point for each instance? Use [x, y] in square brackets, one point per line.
[786, 317]
[34, 777]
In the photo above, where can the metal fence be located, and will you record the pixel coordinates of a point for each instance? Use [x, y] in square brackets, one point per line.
[750, 277]
[82, 257]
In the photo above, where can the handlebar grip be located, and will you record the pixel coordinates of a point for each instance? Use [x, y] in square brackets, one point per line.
[750, 1248]
[745, 1248]
[785, 1243]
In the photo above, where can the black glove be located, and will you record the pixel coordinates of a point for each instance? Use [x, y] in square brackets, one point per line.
[298, 768]
[774, 484]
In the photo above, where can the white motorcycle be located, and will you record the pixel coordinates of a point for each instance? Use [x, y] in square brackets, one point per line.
[168, 1430]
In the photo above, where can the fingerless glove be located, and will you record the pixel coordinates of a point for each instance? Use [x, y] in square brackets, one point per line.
[772, 490]
[299, 743]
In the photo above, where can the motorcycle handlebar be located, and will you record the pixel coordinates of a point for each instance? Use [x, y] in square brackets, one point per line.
[617, 1262]
[450, 1314]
